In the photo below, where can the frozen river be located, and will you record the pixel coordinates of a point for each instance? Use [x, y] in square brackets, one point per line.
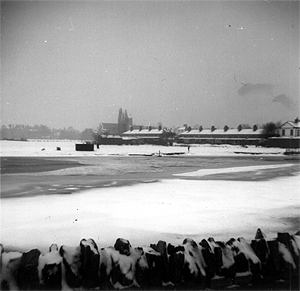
[145, 199]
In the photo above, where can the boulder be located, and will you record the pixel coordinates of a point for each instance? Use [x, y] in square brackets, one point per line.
[155, 269]
[261, 249]
[273, 267]
[28, 278]
[123, 246]
[176, 263]
[210, 260]
[290, 242]
[161, 247]
[259, 234]
[194, 261]
[118, 269]
[90, 262]
[50, 269]
[241, 263]
[9, 266]
[71, 265]
[228, 269]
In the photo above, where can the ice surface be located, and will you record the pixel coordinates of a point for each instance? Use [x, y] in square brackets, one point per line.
[205, 172]
[142, 213]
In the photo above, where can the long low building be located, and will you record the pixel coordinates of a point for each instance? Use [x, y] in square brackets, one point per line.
[147, 136]
[227, 135]
[287, 136]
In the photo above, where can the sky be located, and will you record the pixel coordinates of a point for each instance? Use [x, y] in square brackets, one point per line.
[75, 63]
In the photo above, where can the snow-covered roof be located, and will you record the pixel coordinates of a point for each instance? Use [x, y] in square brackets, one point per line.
[291, 124]
[231, 131]
[110, 136]
[143, 132]
[128, 137]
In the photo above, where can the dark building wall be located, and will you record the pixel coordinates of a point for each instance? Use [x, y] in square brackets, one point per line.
[84, 147]
[282, 142]
[221, 136]
[233, 141]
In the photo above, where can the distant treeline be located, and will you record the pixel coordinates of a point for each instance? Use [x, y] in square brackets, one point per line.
[24, 132]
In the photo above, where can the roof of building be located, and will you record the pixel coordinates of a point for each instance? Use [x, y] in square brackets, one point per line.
[292, 124]
[110, 136]
[231, 131]
[153, 131]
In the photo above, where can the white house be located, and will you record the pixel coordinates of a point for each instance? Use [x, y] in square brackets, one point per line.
[290, 129]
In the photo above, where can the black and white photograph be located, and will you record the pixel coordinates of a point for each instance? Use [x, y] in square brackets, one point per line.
[150, 145]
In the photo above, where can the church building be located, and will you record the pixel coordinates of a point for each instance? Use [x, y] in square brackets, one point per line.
[123, 124]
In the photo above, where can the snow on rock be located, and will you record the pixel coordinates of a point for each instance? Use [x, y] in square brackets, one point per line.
[110, 258]
[297, 241]
[51, 258]
[283, 250]
[193, 257]
[245, 247]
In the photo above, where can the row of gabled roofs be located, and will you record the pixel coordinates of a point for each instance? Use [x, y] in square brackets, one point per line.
[223, 132]
[202, 132]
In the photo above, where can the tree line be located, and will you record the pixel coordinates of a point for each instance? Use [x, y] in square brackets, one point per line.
[24, 132]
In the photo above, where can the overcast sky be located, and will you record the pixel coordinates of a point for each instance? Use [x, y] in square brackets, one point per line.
[196, 62]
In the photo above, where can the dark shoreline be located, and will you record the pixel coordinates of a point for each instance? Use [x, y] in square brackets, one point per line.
[13, 165]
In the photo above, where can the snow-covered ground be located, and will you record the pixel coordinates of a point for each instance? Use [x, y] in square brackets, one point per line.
[144, 213]
[48, 149]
